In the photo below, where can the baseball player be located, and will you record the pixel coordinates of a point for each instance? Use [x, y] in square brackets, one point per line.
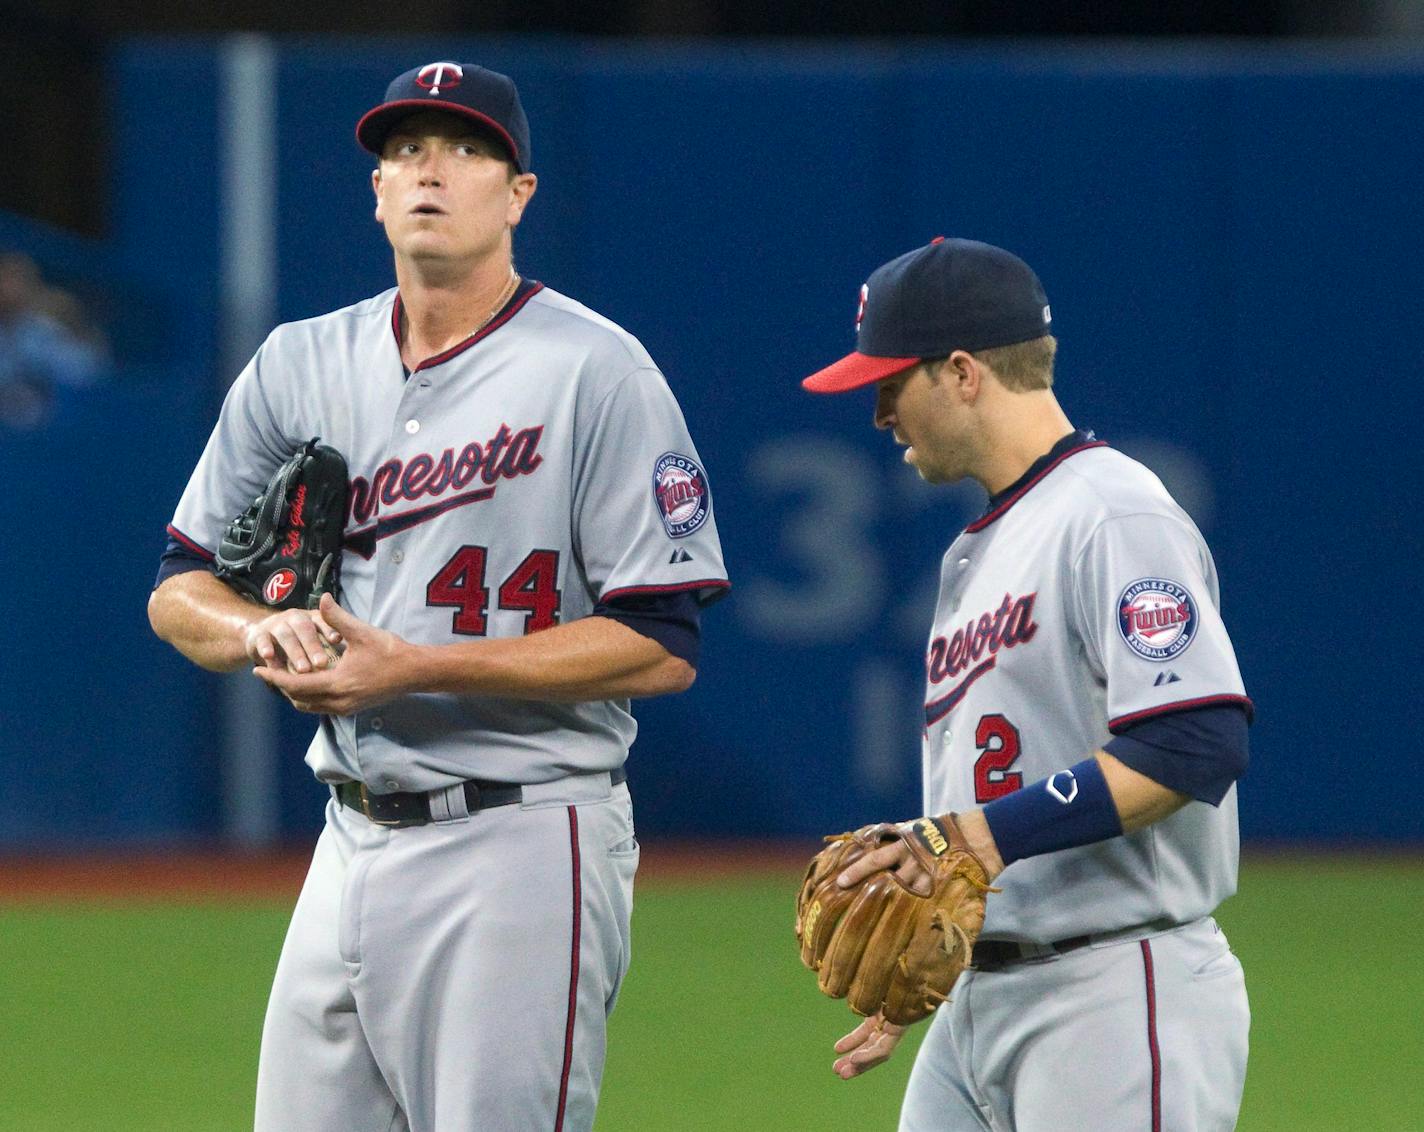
[1085, 721]
[528, 543]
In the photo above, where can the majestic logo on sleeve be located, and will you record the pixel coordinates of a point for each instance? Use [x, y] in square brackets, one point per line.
[1157, 618]
[680, 488]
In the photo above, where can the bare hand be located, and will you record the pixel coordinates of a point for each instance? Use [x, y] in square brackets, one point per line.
[894, 856]
[865, 1047]
[296, 639]
[370, 669]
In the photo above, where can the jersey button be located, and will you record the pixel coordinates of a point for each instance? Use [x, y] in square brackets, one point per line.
[398, 556]
[377, 723]
[412, 426]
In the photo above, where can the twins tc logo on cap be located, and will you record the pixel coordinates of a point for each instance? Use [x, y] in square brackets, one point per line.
[433, 76]
[680, 488]
[1157, 618]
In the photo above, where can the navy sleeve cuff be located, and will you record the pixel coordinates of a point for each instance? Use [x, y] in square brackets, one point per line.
[178, 559]
[674, 620]
[1199, 752]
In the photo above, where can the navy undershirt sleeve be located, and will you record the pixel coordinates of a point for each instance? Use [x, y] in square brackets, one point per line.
[178, 559]
[674, 620]
[1199, 752]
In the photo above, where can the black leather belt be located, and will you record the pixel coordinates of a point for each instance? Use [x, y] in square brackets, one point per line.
[996, 954]
[413, 808]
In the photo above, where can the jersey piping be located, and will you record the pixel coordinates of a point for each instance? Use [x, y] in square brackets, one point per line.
[720, 586]
[999, 511]
[526, 291]
[206, 555]
[1183, 705]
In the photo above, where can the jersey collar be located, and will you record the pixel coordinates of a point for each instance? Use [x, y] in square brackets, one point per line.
[526, 290]
[1080, 440]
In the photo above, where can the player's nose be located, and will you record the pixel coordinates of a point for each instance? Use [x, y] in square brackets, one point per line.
[884, 410]
[431, 167]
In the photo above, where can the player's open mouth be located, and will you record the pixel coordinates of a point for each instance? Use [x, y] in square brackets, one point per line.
[428, 210]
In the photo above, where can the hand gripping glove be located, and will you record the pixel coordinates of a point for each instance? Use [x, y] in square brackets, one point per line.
[880, 945]
[284, 551]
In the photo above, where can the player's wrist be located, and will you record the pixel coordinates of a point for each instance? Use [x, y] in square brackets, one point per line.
[414, 668]
[1066, 810]
[979, 837]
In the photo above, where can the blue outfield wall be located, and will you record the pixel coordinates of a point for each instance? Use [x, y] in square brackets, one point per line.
[1231, 244]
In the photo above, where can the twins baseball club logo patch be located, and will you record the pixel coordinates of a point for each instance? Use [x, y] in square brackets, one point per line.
[680, 488]
[1157, 618]
[278, 586]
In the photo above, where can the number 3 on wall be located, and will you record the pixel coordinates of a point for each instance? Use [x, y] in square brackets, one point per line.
[999, 740]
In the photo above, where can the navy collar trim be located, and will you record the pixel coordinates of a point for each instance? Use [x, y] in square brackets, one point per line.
[526, 290]
[1078, 441]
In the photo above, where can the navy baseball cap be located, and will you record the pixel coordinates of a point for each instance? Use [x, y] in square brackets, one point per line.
[948, 295]
[481, 95]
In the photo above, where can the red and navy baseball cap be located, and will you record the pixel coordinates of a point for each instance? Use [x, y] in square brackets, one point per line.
[473, 92]
[948, 295]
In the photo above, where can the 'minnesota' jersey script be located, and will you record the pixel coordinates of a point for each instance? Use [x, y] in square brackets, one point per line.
[1085, 601]
[503, 487]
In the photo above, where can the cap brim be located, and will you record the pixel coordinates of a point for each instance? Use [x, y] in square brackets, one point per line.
[855, 370]
[375, 124]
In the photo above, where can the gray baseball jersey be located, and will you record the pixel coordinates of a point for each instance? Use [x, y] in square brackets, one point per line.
[457, 976]
[505, 486]
[1086, 600]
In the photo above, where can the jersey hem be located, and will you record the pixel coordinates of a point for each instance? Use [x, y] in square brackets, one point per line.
[1182, 705]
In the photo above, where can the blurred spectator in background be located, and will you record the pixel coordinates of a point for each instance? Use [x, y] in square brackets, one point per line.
[47, 341]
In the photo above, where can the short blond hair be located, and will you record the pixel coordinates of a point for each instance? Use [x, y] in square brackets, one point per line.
[1023, 366]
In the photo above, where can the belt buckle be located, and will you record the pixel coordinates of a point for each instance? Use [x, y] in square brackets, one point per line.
[366, 809]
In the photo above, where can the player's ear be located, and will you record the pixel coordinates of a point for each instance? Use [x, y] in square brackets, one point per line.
[376, 188]
[521, 191]
[964, 374]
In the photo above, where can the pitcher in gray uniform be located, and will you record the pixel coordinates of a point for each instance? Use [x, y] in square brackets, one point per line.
[1085, 720]
[530, 539]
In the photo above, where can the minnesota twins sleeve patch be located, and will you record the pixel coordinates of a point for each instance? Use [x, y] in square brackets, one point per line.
[680, 489]
[1157, 618]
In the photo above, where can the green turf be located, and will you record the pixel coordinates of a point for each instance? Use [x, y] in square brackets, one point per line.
[147, 1017]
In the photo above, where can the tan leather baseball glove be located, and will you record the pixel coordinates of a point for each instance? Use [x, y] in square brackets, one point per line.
[880, 945]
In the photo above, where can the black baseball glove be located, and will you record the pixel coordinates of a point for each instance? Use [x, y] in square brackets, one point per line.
[284, 551]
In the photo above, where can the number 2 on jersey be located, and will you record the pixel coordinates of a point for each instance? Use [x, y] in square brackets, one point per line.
[999, 740]
[532, 586]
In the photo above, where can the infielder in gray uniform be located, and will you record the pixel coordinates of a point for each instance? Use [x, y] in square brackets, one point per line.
[529, 540]
[1084, 718]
